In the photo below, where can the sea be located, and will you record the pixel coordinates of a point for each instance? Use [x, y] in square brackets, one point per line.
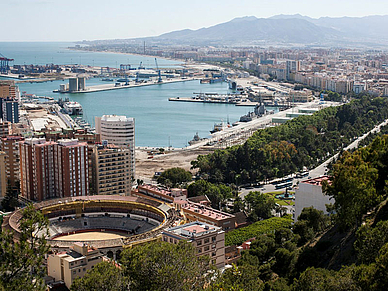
[158, 122]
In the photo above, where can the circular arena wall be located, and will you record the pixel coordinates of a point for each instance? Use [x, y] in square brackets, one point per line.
[108, 214]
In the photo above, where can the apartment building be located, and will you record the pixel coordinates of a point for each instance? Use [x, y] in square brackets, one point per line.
[3, 176]
[120, 131]
[10, 146]
[208, 240]
[53, 169]
[111, 170]
[68, 265]
[4, 128]
[8, 89]
[199, 212]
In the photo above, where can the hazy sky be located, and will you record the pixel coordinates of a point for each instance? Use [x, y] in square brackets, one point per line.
[71, 20]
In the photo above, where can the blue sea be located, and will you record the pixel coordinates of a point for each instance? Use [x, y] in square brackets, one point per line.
[158, 122]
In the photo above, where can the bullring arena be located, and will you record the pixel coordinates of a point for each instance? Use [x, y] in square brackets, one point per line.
[108, 223]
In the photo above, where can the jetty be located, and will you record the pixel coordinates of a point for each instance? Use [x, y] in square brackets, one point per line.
[114, 86]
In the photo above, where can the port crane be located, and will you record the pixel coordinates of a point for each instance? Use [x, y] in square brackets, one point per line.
[141, 67]
[4, 64]
[158, 70]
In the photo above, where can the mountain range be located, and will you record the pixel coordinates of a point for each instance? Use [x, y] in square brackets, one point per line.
[285, 29]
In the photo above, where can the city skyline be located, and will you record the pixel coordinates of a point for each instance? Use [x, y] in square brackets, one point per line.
[45, 20]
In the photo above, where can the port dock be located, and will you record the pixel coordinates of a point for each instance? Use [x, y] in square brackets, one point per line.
[108, 87]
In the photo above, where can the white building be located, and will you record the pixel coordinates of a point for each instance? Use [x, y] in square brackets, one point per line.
[358, 87]
[120, 131]
[309, 193]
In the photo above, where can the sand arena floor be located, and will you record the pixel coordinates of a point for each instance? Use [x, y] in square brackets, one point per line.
[93, 235]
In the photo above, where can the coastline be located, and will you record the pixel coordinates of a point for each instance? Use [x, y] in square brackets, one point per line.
[183, 62]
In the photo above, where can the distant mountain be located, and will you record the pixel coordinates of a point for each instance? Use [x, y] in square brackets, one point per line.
[371, 28]
[282, 29]
[252, 29]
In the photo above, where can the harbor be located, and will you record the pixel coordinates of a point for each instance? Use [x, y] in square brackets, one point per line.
[159, 122]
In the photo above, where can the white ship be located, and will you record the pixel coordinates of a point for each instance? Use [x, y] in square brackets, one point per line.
[72, 108]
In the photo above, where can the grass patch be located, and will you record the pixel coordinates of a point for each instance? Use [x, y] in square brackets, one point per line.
[282, 202]
[238, 236]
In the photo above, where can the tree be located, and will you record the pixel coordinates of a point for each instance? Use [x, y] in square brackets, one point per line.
[10, 201]
[22, 261]
[353, 188]
[322, 279]
[165, 266]
[260, 206]
[175, 176]
[105, 276]
[241, 278]
[217, 194]
[310, 222]
[370, 240]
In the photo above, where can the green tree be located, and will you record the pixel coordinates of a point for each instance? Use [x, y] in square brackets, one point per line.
[105, 276]
[175, 176]
[353, 188]
[217, 194]
[325, 280]
[238, 278]
[165, 266]
[10, 201]
[370, 240]
[22, 261]
[260, 206]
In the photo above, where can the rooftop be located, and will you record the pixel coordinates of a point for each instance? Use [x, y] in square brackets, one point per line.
[194, 229]
[206, 211]
[121, 118]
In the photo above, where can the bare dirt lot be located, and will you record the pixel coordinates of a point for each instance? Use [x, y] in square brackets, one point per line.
[146, 167]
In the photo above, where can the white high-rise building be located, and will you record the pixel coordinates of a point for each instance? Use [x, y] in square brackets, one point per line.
[120, 131]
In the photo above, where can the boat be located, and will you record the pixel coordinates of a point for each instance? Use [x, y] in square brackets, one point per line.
[259, 111]
[107, 79]
[195, 139]
[72, 108]
[219, 127]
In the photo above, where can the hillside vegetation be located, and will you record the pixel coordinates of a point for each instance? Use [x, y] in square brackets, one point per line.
[303, 141]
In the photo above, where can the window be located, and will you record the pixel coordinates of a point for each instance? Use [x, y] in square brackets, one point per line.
[199, 242]
[199, 250]
[206, 240]
[213, 254]
[213, 239]
[74, 272]
[206, 248]
[213, 246]
[84, 269]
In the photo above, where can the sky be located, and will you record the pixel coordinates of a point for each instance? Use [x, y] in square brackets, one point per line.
[75, 20]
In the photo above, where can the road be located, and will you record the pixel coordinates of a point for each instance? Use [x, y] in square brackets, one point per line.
[319, 170]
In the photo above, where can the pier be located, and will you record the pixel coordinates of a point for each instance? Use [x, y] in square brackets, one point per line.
[108, 87]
